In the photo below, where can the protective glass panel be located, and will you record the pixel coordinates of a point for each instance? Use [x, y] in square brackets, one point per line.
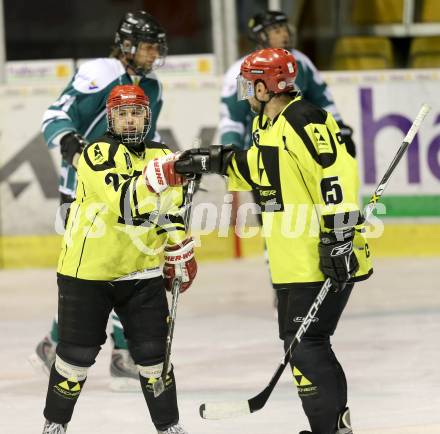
[245, 88]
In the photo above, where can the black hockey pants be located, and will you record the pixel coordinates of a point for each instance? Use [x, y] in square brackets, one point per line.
[319, 377]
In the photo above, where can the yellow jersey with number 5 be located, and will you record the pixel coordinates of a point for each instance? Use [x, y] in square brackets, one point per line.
[307, 183]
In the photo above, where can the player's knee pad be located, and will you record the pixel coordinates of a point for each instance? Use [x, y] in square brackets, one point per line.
[147, 353]
[67, 370]
[309, 362]
[310, 350]
[152, 371]
[77, 355]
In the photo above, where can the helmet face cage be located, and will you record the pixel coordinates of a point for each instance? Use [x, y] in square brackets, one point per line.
[129, 122]
[141, 27]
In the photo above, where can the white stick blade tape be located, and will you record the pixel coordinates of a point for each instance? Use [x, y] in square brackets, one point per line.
[424, 110]
[223, 410]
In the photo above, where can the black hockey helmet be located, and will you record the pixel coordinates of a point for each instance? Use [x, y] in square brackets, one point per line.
[261, 22]
[138, 27]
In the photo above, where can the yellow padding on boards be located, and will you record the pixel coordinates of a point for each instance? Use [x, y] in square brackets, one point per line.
[397, 240]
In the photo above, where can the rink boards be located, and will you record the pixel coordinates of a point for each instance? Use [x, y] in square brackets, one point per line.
[379, 105]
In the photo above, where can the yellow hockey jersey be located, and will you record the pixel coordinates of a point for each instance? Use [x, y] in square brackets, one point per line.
[117, 228]
[307, 182]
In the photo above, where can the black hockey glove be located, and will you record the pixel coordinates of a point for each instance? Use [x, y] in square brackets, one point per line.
[72, 145]
[346, 133]
[336, 258]
[198, 161]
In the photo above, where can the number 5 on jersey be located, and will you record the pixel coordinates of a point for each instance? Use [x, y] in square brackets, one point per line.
[331, 190]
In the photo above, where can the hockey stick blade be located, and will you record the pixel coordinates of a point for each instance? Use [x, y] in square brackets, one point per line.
[225, 410]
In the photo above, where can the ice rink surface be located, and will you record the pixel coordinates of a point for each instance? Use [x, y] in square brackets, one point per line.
[226, 347]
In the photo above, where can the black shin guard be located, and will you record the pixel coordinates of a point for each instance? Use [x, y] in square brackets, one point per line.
[321, 384]
[163, 409]
[62, 395]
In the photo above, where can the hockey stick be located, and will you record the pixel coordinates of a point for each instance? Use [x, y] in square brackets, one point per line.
[221, 410]
[159, 385]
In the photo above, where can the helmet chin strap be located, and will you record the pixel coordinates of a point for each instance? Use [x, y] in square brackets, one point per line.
[261, 113]
[136, 69]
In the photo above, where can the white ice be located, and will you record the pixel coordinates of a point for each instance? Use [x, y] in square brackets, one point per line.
[226, 347]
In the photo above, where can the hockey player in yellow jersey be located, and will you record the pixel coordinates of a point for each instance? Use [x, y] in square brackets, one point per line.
[127, 212]
[307, 186]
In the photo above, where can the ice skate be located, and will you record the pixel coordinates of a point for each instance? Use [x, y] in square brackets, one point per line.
[54, 428]
[123, 372]
[175, 429]
[344, 422]
[44, 356]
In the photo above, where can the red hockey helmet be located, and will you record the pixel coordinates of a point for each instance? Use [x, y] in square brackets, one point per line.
[128, 113]
[276, 67]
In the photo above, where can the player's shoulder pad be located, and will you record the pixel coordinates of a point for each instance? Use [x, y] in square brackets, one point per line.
[100, 155]
[230, 79]
[301, 113]
[310, 123]
[97, 74]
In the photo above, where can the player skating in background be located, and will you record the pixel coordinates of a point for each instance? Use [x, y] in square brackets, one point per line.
[298, 158]
[126, 213]
[78, 117]
[271, 29]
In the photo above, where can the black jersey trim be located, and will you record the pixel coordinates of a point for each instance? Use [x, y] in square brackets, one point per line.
[143, 220]
[271, 162]
[135, 201]
[151, 219]
[243, 167]
[301, 114]
[113, 148]
[70, 236]
[166, 219]
[151, 144]
[85, 240]
[172, 229]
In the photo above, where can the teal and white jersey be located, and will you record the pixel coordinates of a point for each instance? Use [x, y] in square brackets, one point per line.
[81, 108]
[236, 116]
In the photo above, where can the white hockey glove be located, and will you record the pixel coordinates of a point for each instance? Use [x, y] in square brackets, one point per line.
[180, 262]
[160, 174]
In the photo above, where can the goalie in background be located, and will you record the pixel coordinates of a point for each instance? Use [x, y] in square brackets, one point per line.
[78, 117]
[125, 215]
[299, 159]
